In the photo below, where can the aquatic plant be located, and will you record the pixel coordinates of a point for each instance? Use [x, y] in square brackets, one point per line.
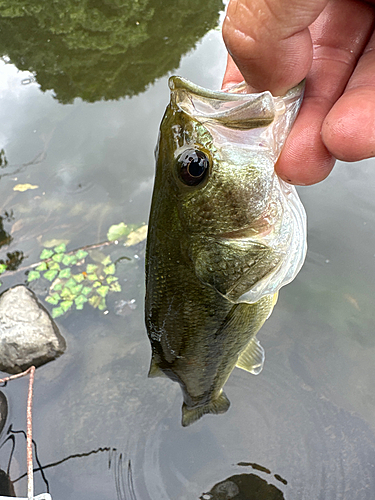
[81, 276]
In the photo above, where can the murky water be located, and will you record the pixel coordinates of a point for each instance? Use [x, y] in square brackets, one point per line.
[303, 429]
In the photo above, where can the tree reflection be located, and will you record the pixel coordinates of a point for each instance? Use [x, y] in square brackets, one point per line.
[5, 237]
[122, 468]
[101, 49]
[13, 259]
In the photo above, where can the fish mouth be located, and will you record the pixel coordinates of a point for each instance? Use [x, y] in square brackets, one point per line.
[235, 109]
[234, 93]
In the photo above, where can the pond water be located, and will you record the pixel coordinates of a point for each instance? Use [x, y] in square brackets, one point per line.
[304, 429]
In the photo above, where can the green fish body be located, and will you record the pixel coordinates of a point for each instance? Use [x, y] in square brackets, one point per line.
[225, 233]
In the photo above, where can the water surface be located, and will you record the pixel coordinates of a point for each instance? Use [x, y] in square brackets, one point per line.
[301, 430]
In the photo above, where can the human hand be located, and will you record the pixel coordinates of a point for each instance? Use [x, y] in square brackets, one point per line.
[274, 44]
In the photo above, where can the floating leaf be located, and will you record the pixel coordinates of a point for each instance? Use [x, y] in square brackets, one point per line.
[76, 289]
[42, 266]
[54, 265]
[66, 305]
[92, 277]
[78, 277]
[90, 268]
[96, 284]
[86, 290]
[107, 260]
[116, 231]
[65, 273]
[57, 285]
[69, 260]
[102, 291]
[3, 268]
[46, 254]
[110, 278]
[102, 305]
[111, 269]
[57, 311]
[66, 294]
[51, 274]
[53, 299]
[136, 236]
[115, 287]
[80, 301]
[70, 283]
[58, 257]
[24, 187]
[95, 300]
[81, 254]
[33, 275]
[60, 248]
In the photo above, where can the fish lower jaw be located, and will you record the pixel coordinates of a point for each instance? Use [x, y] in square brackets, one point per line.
[215, 406]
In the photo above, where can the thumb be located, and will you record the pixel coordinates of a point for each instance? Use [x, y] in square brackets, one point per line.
[270, 42]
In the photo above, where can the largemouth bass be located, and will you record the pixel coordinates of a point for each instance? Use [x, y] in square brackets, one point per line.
[225, 233]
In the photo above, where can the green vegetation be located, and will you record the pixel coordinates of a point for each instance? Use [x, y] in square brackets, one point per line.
[101, 49]
[81, 276]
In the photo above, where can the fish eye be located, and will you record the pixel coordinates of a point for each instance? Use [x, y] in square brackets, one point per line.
[193, 166]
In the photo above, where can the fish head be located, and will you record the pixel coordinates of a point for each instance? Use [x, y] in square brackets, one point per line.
[215, 160]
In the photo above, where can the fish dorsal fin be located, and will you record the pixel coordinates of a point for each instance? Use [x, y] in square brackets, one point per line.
[155, 370]
[252, 357]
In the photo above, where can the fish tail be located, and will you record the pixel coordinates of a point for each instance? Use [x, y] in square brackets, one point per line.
[216, 406]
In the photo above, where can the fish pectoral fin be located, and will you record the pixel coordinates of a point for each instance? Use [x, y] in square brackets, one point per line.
[155, 370]
[216, 406]
[252, 357]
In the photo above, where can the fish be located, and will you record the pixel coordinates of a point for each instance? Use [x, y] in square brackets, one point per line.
[225, 233]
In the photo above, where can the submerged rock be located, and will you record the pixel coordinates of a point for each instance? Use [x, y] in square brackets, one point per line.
[28, 335]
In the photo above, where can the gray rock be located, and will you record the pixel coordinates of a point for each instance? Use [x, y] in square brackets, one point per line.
[28, 335]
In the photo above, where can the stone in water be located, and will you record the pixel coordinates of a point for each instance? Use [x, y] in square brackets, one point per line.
[28, 335]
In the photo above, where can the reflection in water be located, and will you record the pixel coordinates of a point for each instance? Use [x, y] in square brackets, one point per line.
[3, 410]
[5, 237]
[246, 486]
[6, 485]
[97, 49]
[122, 467]
[3, 159]
[262, 469]
[13, 259]
[243, 487]
[225, 234]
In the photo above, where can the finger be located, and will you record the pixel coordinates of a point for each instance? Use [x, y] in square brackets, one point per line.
[232, 74]
[339, 36]
[270, 42]
[349, 128]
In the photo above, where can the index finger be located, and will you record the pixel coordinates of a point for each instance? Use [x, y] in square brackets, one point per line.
[270, 41]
